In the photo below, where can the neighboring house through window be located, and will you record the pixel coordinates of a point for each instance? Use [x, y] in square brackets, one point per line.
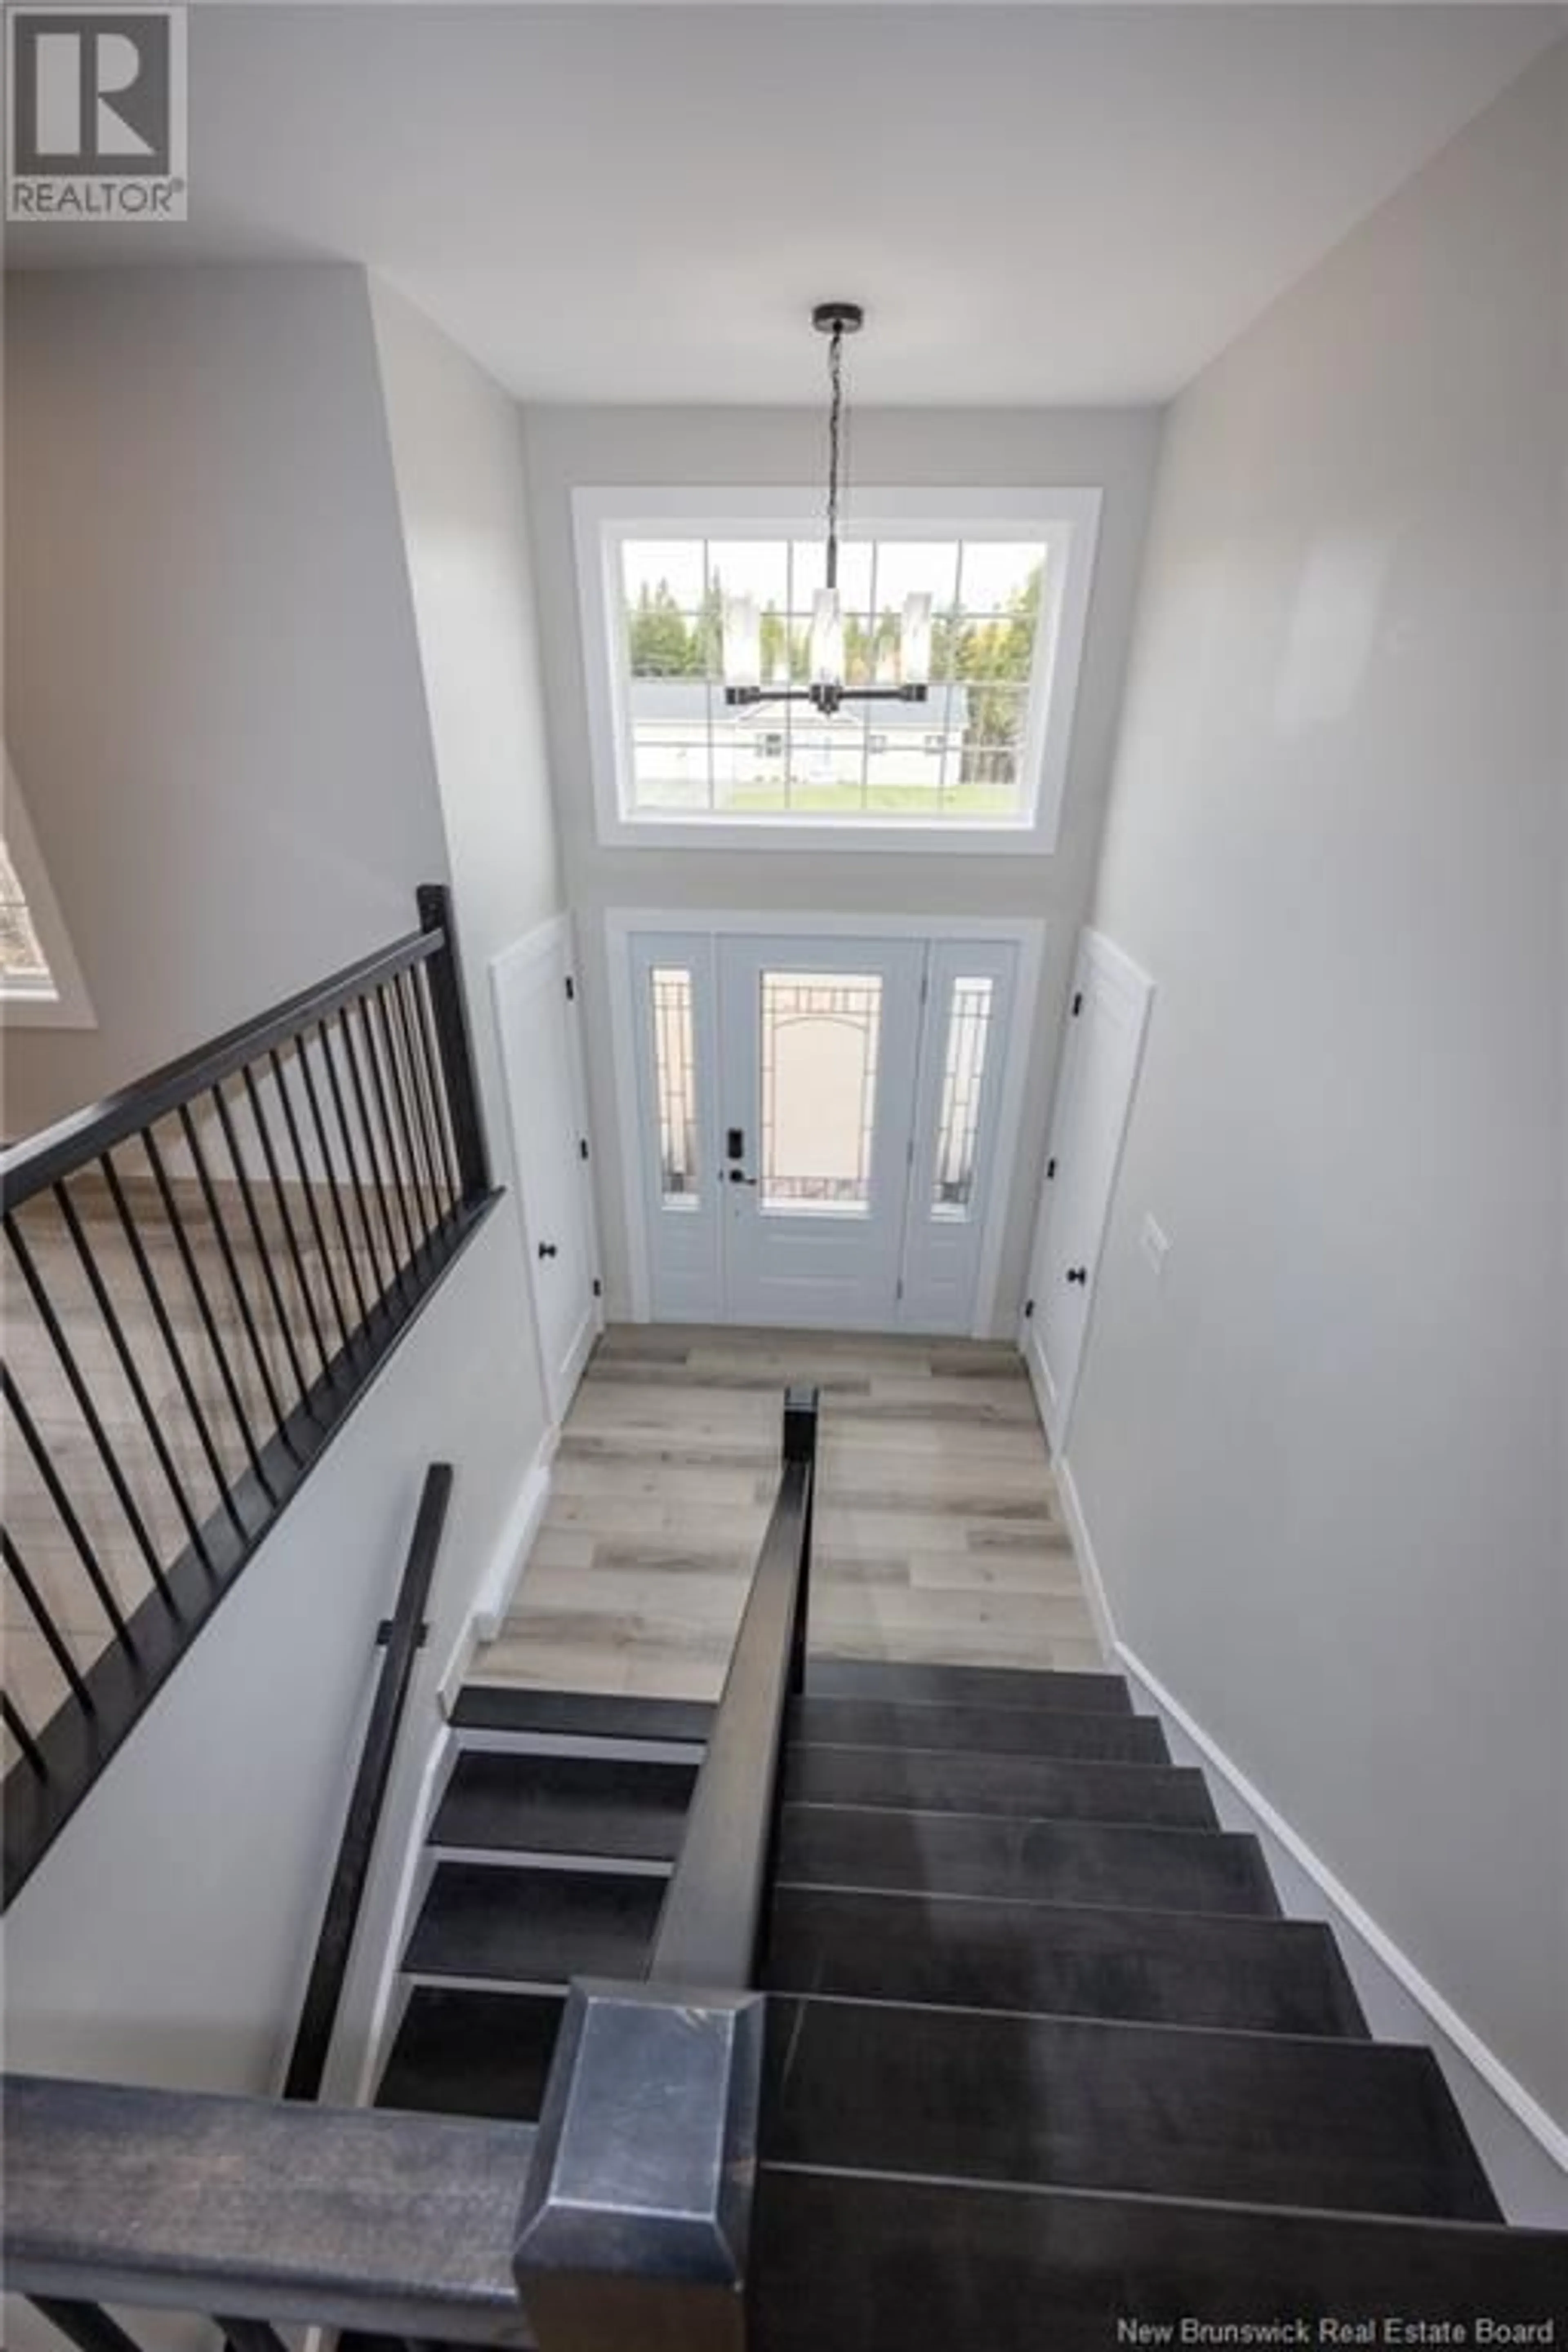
[983, 754]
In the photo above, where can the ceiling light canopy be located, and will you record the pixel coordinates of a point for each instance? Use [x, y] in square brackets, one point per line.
[908, 669]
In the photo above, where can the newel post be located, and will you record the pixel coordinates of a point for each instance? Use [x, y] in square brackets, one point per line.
[454, 1042]
[636, 2219]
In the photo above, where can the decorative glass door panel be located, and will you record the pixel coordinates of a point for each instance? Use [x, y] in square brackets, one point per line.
[820, 1042]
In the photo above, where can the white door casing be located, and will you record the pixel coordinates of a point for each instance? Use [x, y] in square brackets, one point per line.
[1101, 1048]
[534, 992]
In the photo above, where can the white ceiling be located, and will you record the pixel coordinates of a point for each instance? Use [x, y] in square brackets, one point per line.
[1036, 203]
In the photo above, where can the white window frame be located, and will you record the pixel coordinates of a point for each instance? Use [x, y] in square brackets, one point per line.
[1067, 521]
[61, 1001]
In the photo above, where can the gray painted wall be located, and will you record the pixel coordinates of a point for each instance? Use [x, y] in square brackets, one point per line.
[457, 450]
[214, 704]
[1114, 449]
[1320, 1462]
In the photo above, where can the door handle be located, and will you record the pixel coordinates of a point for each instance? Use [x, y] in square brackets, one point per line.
[548, 1249]
[738, 1177]
[1078, 1274]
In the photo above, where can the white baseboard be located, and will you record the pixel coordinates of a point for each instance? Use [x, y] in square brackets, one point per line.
[1524, 2149]
[507, 1561]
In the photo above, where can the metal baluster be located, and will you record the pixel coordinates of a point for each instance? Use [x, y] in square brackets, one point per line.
[85, 2325]
[387, 1132]
[17, 1724]
[302, 1057]
[416, 1088]
[431, 1054]
[367, 1132]
[132, 1370]
[264, 1252]
[89, 1412]
[209, 1322]
[63, 1504]
[226, 1252]
[58, 1648]
[347, 1133]
[265, 1134]
[175, 1353]
[407, 1137]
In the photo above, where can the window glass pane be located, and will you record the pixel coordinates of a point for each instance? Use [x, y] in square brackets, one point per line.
[21, 956]
[964, 1074]
[956, 756]
[675, 1084]
[820, 1033]
[672, 566]
[997, 574]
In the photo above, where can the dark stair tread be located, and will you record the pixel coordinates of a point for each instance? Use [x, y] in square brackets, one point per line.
[513, 1924]
[1057, 1693]
[603, 1715]
[1126, 1866]
[884, 2264]
[1180, 2111]
[460, 2052]
[980, 1731]
[1045, 1788]
[620, 1808]
[1271, 1976]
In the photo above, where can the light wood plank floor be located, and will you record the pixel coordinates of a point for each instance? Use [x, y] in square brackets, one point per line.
[939, 1537]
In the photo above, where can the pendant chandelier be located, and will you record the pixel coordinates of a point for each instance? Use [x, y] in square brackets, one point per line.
[826, 688]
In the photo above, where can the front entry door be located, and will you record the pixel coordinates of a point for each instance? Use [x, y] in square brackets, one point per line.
[819, 1044]
[818, 1125]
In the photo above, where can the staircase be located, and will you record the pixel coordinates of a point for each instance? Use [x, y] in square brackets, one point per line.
[1042, 2053]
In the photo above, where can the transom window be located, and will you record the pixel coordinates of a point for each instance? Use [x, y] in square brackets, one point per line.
[981, 752]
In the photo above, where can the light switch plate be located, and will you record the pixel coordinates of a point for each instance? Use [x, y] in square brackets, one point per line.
[1153, 1244]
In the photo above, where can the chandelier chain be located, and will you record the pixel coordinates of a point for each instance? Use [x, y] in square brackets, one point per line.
[835, 444]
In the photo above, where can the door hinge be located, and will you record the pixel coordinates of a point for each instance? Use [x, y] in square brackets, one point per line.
[1029, 1309]
[925, 986]
[582, 1146]
[909, 1152]
[1077, 1002]
[599, 1287]
[1051, 1172]
[572, 991]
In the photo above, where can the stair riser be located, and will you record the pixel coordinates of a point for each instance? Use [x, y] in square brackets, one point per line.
[1175, 2112]
[1027, 1786]
[981, 1731]
[879, 2266]
[1256, 1976]
[1108, 1865]
[991, 1686]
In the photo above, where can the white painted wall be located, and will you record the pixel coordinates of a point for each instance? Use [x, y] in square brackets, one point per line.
[457, 452]
[567, 448]
[166, 1937]
[1321, 1461]
[214, 693]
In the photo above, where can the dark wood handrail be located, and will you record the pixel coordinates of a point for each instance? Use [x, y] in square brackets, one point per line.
[83, 1136]
[636, 2221]
[403, 1635]
[709, 1926]
[248, 2209]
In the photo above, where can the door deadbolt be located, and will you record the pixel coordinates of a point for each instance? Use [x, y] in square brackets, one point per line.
[1078, 1274]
